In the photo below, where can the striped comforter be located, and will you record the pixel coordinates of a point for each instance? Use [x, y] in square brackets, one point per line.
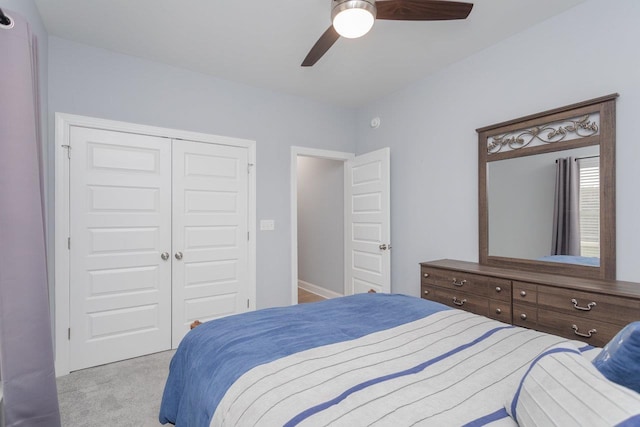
[386, 360]
[450, 368]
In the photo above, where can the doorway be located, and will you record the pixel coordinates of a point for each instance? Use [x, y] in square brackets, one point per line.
[365, 220]
[320, 228]
[314, 173]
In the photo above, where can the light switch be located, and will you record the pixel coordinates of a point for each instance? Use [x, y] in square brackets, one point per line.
[267, 225]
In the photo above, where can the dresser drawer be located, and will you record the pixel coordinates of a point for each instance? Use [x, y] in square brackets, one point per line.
[463, 282]
[592, 331]
[525, 292]
[525, 315]
[500, 310]
[499, 289]
[586, 305]
[463, 300]
[427, 292]
[431, 276]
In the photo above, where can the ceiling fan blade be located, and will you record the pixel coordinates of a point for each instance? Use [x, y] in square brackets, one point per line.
[321, 47]
[422, 10]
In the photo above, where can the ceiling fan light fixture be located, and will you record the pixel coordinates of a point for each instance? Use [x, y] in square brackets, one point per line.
[353, 18]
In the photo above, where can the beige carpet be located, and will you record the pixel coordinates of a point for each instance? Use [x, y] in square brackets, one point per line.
[126, 393]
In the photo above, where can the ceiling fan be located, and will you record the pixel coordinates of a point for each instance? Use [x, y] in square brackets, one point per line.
[354, 18]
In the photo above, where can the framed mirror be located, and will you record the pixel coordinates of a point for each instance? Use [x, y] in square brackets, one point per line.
[547, 191]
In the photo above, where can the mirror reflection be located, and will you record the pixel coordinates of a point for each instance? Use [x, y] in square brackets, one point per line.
[546, 207]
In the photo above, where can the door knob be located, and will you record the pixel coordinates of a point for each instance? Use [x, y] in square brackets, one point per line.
[164, 256]
[178, 255]
[384, 247]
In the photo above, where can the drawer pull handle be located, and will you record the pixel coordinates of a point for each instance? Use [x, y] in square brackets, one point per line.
[523, 316]
[459, 303]
[580, 334]
[460, 283]
[498, 311]
[426, 275]
[587, 308]
[426, 292]
[498, 289]
[523, 294]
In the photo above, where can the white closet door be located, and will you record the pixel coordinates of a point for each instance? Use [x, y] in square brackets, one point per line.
[120, 224]
[210, 249]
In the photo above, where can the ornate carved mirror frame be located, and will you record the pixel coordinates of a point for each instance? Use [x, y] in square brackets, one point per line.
[588, 123]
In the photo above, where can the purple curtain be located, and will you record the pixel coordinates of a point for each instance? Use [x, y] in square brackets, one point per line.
[566, 209]
[26, 346]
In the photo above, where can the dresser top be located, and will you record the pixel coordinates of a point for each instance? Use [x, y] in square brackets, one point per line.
[606, 287]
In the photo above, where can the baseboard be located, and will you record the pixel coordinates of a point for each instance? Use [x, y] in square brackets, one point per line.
[318, 290]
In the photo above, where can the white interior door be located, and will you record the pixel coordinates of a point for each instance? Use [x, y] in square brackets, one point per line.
[120, 224]
[368, 234]
[210, 233]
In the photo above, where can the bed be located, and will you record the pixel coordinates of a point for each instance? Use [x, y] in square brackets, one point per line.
[370, 359]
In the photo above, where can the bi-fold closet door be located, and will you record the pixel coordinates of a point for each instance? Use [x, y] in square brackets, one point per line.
[158, 238]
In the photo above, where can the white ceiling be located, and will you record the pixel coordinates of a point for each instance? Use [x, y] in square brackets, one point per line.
[262, 43]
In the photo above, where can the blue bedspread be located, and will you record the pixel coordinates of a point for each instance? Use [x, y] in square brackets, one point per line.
[215, 354]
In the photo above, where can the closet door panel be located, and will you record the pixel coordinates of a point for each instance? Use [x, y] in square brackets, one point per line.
[120, 223]
[210, 250]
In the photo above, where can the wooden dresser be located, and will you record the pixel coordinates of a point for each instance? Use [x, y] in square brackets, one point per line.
[585, 309]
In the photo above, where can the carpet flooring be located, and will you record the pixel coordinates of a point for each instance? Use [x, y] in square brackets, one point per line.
[122, 394]
[125, 393]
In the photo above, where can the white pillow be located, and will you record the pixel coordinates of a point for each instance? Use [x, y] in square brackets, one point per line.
[561, 387]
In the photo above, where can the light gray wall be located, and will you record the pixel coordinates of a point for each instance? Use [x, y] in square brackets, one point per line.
[321, 222]
[583, 53]
[94, 82]
[521, 194]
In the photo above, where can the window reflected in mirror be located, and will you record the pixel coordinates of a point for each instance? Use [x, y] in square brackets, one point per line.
[589, 169]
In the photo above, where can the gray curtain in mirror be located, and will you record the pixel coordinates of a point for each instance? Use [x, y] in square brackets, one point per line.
[566, 209]
[26, 346]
